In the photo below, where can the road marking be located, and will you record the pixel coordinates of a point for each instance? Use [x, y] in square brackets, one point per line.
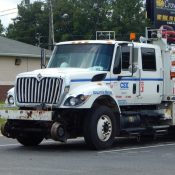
[9, 145]
[136, 148]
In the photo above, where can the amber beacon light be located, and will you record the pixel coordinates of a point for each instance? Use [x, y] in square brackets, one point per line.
[132, 36]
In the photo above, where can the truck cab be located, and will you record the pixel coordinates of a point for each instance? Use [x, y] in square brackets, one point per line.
[96, 89]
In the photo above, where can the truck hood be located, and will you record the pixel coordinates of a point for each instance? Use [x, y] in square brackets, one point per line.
[71, 74]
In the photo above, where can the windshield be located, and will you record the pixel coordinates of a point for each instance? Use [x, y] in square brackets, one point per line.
[90, 56]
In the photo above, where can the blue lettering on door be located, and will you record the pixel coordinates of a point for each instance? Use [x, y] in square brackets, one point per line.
[124, 85]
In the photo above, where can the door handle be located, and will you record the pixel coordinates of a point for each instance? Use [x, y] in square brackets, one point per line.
[134, 88]
[158, 88]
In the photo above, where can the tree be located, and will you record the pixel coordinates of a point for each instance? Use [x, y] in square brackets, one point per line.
[84, 18]
[30, 24]
[1, 28]
[128, 16]
[77, 19]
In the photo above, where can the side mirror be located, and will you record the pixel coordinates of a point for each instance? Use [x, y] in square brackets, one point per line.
[133, 68]
[117, 70]
[131, 45]
[118, 60]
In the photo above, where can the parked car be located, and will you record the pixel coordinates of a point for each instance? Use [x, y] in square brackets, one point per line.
[10, 100]
[169, 33]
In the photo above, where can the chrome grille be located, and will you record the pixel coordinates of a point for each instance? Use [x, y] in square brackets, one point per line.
[30, 90]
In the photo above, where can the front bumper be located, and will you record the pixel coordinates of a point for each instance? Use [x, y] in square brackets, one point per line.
[40, 115]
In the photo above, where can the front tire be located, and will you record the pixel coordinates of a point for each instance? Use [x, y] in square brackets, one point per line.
[30, 140]
[100, 128]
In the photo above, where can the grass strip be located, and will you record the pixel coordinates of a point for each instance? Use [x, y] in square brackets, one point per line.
[2, 121]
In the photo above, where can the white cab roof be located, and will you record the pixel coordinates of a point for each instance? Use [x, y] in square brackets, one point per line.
[136, 44]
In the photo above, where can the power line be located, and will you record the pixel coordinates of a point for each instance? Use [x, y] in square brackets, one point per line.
[8, 14]
[7, 10]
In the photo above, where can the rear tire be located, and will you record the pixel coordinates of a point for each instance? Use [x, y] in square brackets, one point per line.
[30, 140]
[100, 128]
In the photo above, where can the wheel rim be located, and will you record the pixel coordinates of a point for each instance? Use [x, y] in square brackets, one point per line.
[104, 128]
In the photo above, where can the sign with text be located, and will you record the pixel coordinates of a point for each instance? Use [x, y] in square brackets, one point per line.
[165, 13]
[161, 12]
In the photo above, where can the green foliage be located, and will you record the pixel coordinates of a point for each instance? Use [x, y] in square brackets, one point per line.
[2, 121]
[30, 22]
[1, 28]
[77, 19]
[129, 17]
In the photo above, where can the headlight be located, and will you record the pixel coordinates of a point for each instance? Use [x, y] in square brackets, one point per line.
[10, 100]
[75, 101]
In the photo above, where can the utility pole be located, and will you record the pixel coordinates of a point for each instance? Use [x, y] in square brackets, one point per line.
[26, 2]
[51, 26]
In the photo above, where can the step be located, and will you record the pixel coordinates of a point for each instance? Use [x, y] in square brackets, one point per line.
[160, 127]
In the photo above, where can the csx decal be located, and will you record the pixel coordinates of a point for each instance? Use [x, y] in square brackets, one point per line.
[124, 85]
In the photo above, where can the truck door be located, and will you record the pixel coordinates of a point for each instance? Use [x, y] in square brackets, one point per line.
[150, 84]
[123, 83]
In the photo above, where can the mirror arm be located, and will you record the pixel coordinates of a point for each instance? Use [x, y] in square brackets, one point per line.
[132, 59]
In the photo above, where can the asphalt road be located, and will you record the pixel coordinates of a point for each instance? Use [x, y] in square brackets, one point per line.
[126, 157]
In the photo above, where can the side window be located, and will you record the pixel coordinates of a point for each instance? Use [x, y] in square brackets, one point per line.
[122, 59]
[125, 57]
[148, 59]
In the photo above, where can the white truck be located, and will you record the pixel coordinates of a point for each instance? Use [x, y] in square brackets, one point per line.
[98, 89]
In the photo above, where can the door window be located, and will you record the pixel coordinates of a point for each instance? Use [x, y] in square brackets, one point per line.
[125, 57]
[148, 59]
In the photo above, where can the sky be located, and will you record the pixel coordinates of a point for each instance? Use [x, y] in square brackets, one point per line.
[8, 10]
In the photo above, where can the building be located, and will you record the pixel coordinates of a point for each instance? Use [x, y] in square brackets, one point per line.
[16, 57]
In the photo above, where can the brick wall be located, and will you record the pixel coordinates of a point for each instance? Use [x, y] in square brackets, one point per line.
[3, 91]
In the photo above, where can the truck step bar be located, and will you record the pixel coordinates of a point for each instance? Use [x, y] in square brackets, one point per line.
[154, 130]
